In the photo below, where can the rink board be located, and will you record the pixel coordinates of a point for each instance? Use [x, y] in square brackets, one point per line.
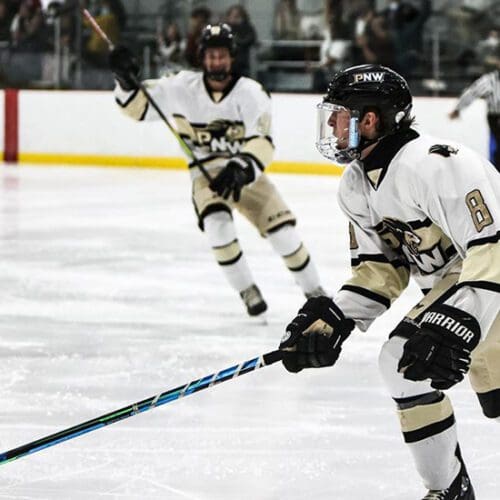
[87, 128]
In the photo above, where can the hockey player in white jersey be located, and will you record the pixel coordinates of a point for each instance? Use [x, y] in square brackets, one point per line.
[226, 121]
[418, 207]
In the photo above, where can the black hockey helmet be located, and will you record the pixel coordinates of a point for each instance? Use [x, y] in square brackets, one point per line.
[372, 85]
[216, 35]
[359, 89]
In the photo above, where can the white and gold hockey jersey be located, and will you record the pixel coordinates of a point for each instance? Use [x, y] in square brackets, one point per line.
[215, 125]
[422, 207]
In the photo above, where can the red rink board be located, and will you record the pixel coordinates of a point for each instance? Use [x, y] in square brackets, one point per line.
[11, 136]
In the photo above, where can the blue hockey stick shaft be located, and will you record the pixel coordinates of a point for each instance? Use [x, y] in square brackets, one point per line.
[141, 406]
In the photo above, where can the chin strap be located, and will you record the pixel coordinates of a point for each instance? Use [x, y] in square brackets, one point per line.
[351, 154]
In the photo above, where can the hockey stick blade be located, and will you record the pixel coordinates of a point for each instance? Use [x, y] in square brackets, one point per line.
[141, 406]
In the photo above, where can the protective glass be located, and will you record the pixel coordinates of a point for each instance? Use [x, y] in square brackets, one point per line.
[337, 133]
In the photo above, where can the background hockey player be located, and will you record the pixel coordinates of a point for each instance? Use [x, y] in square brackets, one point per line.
[423, 207]
[486, 87]
[226, 120]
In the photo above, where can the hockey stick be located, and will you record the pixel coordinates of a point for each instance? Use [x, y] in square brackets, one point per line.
[141, 406]
[184, 145]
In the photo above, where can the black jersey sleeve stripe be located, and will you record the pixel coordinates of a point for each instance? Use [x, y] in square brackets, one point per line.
[144, 113]
[130, 98]
[418, 224]
[483, 241]
[257, 162]
[414, 224]
[368, 294]
[210, 157]
[484, 285]
[450, 251]
[367, 257]
[203, 125]
[268, 138]
[356, 261]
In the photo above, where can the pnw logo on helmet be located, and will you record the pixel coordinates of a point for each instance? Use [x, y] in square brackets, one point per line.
[368, 77]
[215, 30]
[351, 94]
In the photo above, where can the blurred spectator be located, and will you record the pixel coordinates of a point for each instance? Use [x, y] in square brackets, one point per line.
[5, 22]
[61, 18]
[245, 38]
[488, 51]
[465, 21]
[353, 12]
[117, 8]
[405, 24]
[68, 28]
[64, 12]
[335, 51]
[286, 25]
[28, 28]
[312, 18]
[28, 43]
[198, 19]
[96, 49]
[170, 49]
[374, 40]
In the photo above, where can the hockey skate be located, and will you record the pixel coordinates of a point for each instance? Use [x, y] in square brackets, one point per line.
[460, 489]
[253, 300]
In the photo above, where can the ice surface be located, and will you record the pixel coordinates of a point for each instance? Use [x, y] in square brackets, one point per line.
[109, 295]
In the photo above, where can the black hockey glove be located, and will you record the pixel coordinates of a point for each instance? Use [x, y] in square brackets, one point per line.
[237, 173]
[314, 337]
[125, 67]
[441, 348]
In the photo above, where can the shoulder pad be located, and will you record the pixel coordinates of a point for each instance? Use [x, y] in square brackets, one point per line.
[443, 150]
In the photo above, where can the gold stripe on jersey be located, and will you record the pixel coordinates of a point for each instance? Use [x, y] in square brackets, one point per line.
[437, 291]
[184, 128]
[382, 278]
[135, 107]
[297, 260]
[353, 242]
[418, 417]
[261, 148]
[482, 264]
[484, 372]
[227, 254]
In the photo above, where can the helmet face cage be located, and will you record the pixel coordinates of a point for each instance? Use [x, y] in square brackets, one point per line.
[337, 132]
[371, 86]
